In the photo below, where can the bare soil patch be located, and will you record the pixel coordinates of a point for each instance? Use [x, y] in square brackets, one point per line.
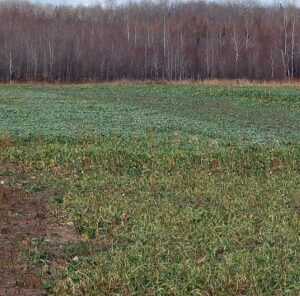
[30, 242]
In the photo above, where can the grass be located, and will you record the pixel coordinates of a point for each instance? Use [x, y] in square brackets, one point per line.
[175, 189]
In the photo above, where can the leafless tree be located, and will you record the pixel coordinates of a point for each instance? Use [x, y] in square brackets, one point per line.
[149, 40]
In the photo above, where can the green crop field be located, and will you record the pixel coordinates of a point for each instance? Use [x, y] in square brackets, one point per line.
[173, 189]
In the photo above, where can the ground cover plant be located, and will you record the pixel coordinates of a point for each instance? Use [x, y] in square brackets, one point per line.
[173, 189]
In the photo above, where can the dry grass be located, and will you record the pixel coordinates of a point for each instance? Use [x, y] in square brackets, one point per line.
[213, 82]
[5, 141]
[245, 82]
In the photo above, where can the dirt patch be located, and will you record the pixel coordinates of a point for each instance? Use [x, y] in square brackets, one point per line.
[30, 242]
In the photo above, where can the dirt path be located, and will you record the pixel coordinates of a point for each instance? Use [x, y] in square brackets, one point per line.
[30, 243]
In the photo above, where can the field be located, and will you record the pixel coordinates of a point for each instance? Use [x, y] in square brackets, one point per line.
[172, 189]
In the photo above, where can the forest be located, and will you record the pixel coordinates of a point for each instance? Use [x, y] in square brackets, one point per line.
[147, 40]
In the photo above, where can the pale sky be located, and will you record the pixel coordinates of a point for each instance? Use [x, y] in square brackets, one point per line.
[65, 2]
[90, 2]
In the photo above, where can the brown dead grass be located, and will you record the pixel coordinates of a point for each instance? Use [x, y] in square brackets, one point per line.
[215, 82]
[5, 141]
[245, 82]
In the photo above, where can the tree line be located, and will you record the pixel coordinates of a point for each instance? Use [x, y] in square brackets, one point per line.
[149, 41]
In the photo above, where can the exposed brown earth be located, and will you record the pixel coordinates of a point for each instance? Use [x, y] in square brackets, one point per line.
[30, 242]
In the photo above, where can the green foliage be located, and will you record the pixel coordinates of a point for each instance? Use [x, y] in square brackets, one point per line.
[240, 115]
[37, 257]
[175, 190]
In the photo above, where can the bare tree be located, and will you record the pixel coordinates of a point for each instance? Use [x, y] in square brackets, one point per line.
[148, 40]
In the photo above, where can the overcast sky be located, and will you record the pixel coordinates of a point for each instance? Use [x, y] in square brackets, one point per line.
[89, 2]
[68, 2]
